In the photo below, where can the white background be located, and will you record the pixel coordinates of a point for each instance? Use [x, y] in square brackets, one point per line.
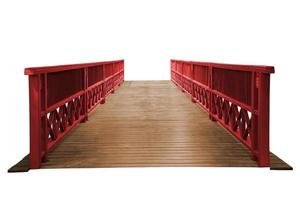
[147, 34]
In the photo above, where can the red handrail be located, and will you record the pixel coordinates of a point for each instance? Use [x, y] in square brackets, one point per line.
[237, 96]
[62, 96]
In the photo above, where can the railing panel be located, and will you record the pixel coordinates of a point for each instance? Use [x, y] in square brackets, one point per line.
[234, 118]
[173, 66]
[61, 119]
[95, 74]
[95, 95]
[115, 68]
[201, 74]
[237, 96]
[187, 70]
[107, 70]
[179, 67]
[232, 83]
[58, 88]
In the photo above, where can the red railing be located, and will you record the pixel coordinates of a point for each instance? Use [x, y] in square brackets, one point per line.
[62, 96]
[237, 96]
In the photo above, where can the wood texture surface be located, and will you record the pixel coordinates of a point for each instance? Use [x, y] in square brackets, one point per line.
[149, 123]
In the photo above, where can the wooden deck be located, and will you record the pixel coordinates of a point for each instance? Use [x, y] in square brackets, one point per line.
[149, 124]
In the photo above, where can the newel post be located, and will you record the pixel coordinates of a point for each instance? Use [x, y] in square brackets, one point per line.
[35, 121]
[262, 137]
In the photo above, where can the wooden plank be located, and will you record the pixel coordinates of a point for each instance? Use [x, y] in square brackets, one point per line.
[277, 164]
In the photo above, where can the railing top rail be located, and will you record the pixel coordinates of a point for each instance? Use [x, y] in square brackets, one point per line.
[239, 67]
[58, 68]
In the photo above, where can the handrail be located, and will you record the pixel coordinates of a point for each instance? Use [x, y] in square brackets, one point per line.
[236, 96]
[240, 67]
[62, 96]
[59, 68]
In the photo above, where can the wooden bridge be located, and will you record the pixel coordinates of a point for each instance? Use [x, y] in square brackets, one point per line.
[141, 123]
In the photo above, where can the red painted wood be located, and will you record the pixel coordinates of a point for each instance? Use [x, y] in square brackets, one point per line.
[95, 74]
[239, 67]
[263, 120]
[200, 74]
[59, 68]
[44, 118]
[236, 96]
[35, 121]
[85, 95]
[62, 96]
[59, 88]
[233, 83]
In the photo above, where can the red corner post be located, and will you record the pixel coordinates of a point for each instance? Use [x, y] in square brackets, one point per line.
[35, 121]
[262, 137]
